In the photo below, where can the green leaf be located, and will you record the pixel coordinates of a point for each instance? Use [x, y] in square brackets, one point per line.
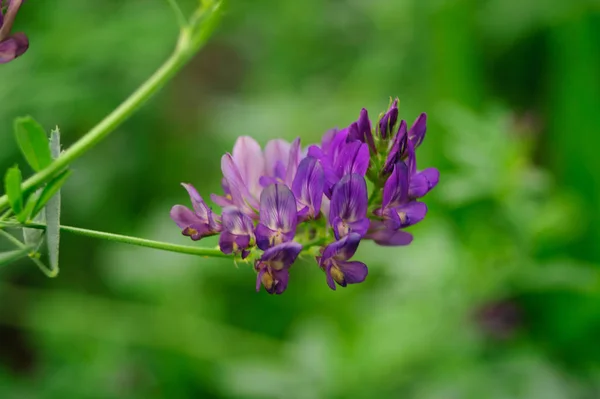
[12, 256]
[50, 190]
[53, 211]
[33, 142]
[24, 215]
[12, 185]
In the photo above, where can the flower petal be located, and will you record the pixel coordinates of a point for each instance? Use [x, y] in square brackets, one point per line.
[365, 130]
[240, 196]
[388, 121]
[411, 213]
[250, 162]
[308, 185]
[341, 250]
[281, 256]
[278, 208]
[293, 161]
[236, 222]
[387, 237]
[277, 154]
[395, 190]
[423, 182]
[13, 47]
[353, 158]
[397, 149]
[349, 199]
[349, 272]
[416, 134]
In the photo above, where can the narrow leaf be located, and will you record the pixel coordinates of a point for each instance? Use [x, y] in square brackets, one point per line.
[50, 190]
[23, 216]
[12, 185]
[53, 211]
[33, 142]
[12, 256]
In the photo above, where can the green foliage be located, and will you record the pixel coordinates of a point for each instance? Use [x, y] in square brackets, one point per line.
[12, 185]
[33, 141]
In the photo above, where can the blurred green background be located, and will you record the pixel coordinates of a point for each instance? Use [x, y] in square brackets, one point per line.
[497, 297]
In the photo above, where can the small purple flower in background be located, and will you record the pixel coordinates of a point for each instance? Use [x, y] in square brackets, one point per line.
[285, 201]
[11, 46]
[337, 266]
[273, 267]
[201, 222]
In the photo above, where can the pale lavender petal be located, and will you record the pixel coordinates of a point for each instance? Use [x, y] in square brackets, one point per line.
[387, 237]
[395, 189]
[183, 216]
[236, 222]
[240, 196]
[198, 203]
[278, 208]
[293, 161]
[308, 185]
[250, 162]
[277, 154]
[349, 200]
[423, 182]
[417, 131]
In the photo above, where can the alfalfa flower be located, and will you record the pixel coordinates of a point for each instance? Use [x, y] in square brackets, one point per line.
[15, 44]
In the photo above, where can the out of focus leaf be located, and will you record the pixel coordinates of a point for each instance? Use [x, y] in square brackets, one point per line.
[12, 185]
[33, 142]
[53, 210]
[24, 215]
[11, 256]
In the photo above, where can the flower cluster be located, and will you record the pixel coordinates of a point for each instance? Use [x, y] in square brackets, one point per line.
[11, 46]
[288, 200]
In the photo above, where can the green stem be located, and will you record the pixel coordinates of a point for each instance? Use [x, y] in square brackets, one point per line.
[165, 246]
[181, 20]
[48, 272]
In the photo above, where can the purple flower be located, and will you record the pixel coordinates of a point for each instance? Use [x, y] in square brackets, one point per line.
[348, 208]
[416, 134]
[308, 187]
[365, 130]
[200, 222]
[278, 217]
[273, 267]
[281, 160]
[388, 121]
[384, 236]
[397, 150]
[397, 210]
[11, 46]
[335, 262]
[238, 232]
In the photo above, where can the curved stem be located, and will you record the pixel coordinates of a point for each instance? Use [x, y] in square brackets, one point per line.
[48, 272]
[141, 242]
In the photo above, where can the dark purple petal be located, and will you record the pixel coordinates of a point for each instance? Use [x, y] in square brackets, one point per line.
[395, 190]
[278, 208]
[416, 134]
[411, 213]
[281, 256]
[341, 250]
[230, 243]
[345, 273]
[354, 133]
[349, 200]
[397, 149]
[388, 121]
[248, 158]
[353, 158]
[273, 265]
[266, 237]
[12, 47]
[422, 182]
[309, 184]
[365, 130]
[387, 237]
